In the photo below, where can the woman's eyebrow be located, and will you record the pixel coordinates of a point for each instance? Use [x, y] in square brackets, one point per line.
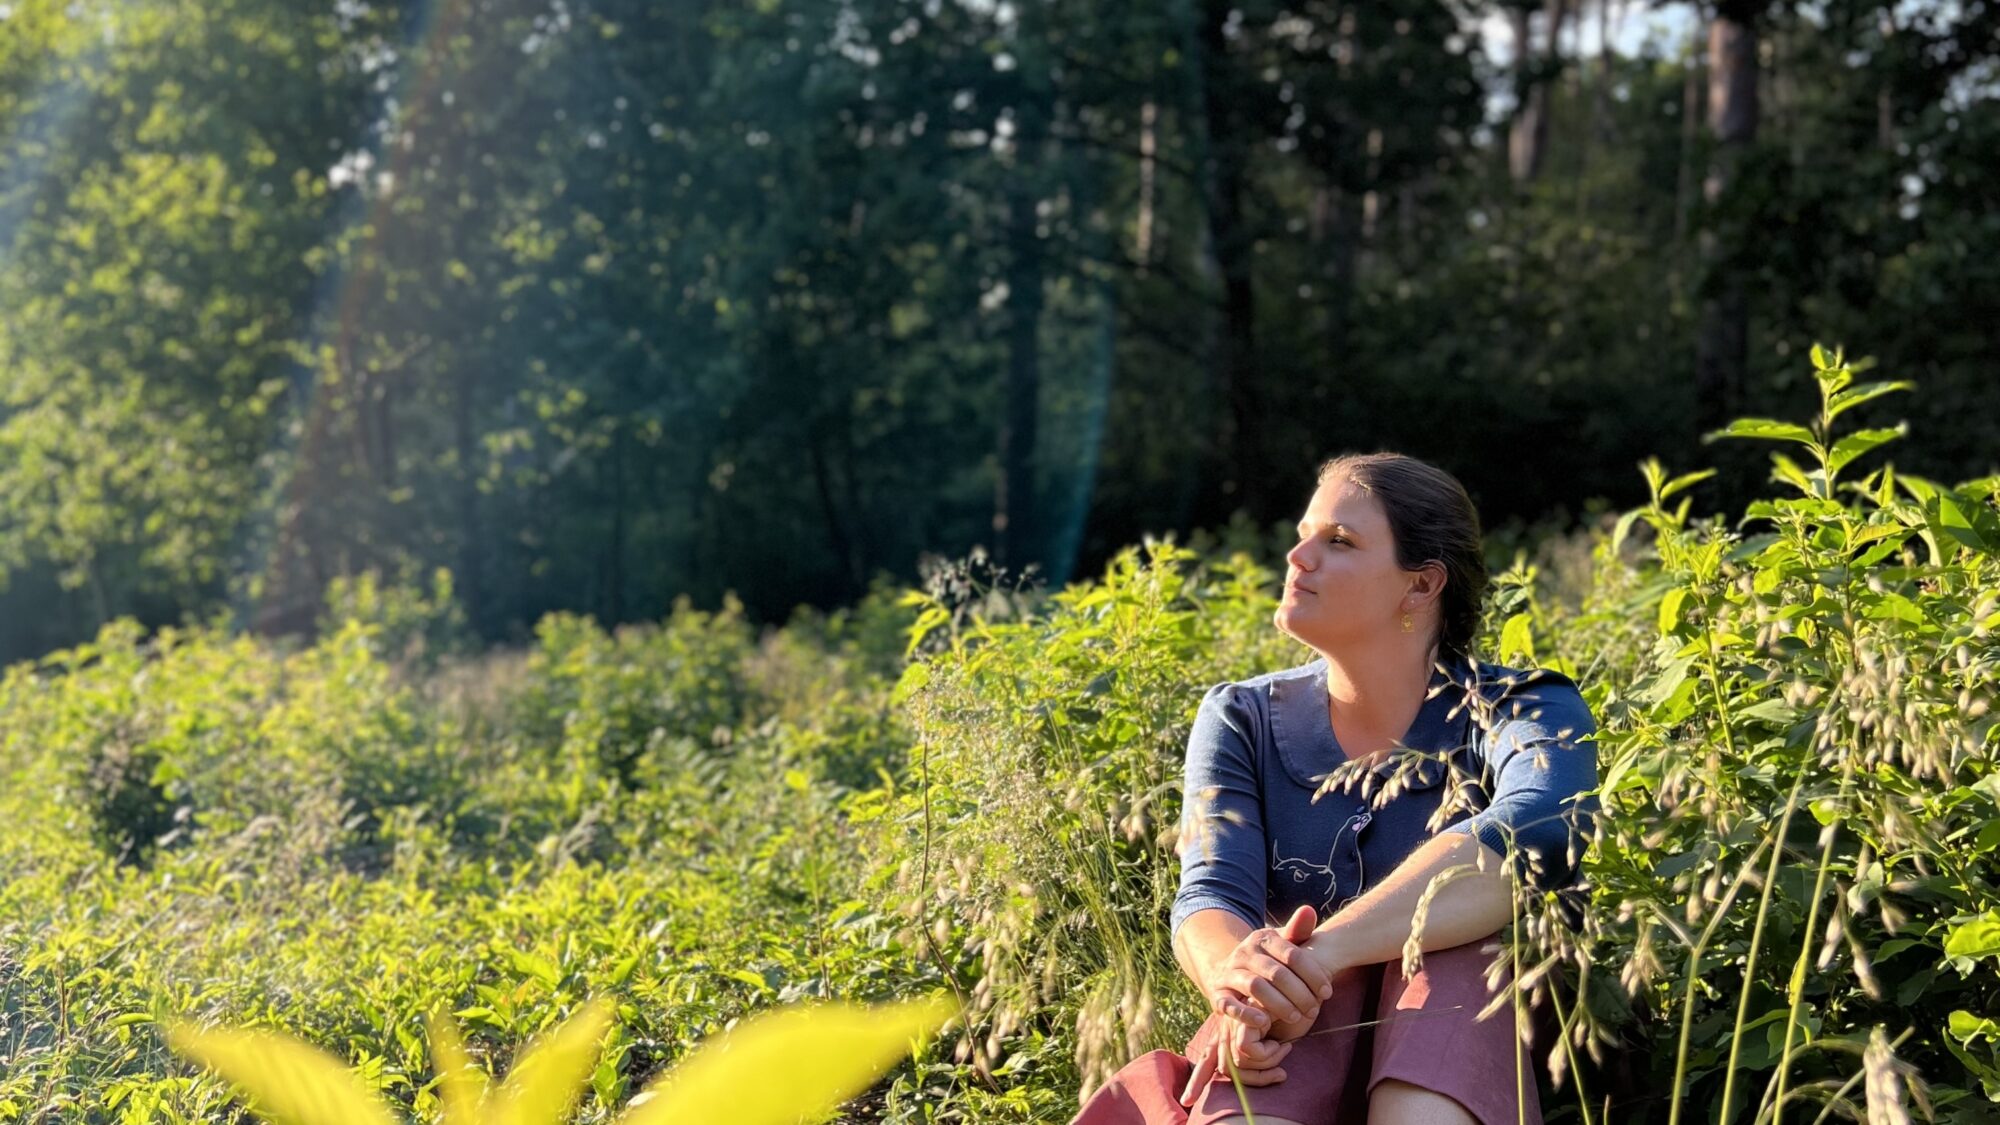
[1335, 526]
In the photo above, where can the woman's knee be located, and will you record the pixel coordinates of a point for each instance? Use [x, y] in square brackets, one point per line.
[1401, 1103]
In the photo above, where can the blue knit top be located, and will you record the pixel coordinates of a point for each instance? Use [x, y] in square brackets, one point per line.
[1270, 820]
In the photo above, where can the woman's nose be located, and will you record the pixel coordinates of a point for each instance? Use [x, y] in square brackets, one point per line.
[1297, 556]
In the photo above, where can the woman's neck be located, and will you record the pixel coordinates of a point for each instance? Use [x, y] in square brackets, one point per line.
[1373, 696]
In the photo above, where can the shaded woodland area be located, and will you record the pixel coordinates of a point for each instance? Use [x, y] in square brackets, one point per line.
[600, 303]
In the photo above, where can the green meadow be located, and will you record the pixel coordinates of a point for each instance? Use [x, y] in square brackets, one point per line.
[972, 790]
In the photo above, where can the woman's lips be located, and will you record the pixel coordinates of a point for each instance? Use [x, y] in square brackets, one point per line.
[1298, 589]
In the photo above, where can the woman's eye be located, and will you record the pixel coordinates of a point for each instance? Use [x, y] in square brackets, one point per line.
[1337, 539]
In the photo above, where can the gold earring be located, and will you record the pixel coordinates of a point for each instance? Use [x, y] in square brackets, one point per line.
[1408, 625]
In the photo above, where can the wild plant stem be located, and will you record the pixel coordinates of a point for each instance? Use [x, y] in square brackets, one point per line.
[1797, 987]
[1696, 948]
[1756, 943]
[1854, 1080]
[1565, 1021]
[1687, 1026]
[1242, 1098]
[1514, 980]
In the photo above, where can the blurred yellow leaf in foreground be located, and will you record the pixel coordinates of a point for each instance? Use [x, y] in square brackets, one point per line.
[777, 1068]
[288, 1082]
[787, 1065]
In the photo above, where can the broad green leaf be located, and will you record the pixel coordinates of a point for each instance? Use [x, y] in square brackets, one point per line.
[1965, 1027]
[461, 1085]
[1516, 637]
[915, 678]
[1920, 489]
[1686, 480]
[1767, 429]
[1859, 442]
[1774, 710]
[545, 1082]
[1891, 606]
[1887, 491]
[1843, 401]
[1951, 519]
[1662, 684]
[825, 1055]
[535, 965]
[1670, 608]
[1986, 1072]
[289, 1082]
[1784, 470]
[1977, 938]
[1623, 528]
[745, 976]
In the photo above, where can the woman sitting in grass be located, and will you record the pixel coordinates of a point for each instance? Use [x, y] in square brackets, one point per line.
[1321, 802]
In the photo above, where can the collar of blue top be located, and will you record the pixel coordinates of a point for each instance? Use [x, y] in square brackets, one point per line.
[1303, 730]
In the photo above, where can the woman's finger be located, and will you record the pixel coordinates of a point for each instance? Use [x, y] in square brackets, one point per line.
[1259, 992]
[1241, 1012]
[1261, 1055]
[1204, 1072]
[1286, 983]
[1254, 960]
[1275, 1003]
[1302, 964]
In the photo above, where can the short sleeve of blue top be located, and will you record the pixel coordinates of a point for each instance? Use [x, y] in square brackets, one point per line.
[1512, 752]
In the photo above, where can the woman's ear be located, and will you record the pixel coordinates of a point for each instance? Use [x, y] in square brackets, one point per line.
[1426, 585]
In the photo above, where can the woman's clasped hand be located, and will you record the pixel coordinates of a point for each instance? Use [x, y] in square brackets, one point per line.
[1267, 993]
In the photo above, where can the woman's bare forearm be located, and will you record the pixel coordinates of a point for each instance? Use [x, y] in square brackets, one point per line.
[1373, 928]
[1204, 940]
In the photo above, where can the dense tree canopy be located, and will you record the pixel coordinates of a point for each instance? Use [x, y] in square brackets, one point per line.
[600, 303]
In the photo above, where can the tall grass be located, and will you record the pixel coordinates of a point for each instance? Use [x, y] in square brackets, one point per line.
[1791, 892]
[1791, 915]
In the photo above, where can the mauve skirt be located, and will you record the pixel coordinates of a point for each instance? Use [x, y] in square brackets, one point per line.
[1423, 1033]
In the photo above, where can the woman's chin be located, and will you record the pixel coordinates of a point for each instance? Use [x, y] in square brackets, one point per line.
[1288, 618]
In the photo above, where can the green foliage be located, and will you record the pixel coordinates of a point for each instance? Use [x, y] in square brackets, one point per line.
[1033, 841]
[1798, 776]
[612, 700]
[411, 625]
[363, 840]
[1792, 890]
[1793, 904]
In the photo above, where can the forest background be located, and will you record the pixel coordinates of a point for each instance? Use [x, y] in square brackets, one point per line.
[603, 304]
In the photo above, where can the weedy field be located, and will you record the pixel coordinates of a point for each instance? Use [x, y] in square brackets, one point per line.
[973, 791]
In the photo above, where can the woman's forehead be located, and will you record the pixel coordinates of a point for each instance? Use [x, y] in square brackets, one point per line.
[1344, 501]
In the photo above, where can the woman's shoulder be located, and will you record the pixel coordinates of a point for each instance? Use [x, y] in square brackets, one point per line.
[1257, 690]
[1254, 704]
[1541, 694]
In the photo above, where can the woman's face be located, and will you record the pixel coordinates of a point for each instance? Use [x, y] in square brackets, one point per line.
[1342, 583]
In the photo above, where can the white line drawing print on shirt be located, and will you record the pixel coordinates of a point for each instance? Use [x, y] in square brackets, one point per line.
[1301, 870]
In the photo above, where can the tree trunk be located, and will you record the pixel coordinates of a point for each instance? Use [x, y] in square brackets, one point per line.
[1723, 345]
[1885, 94]
[1692, 85]
[1014, 501]
[829, 507]
[614, 563]
[1534, 77]
[471, 580]
[1149, 141]
[1237, 477]
[1336, 231]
